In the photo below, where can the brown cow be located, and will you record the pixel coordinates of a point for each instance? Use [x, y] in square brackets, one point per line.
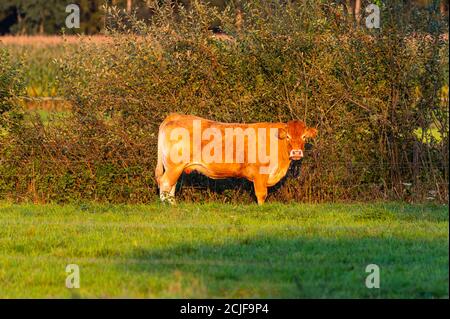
[259, 152]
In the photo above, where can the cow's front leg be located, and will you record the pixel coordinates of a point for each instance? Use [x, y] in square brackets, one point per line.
[168, 183]
[168, 196]
[260, 184]
[171, 198]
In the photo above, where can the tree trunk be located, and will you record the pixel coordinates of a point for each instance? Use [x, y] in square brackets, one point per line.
[129, 5]
[19, 22]
[443, 7]
[41, 27]
[357, 11]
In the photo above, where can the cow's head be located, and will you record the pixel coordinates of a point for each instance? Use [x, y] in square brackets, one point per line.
[296, 133]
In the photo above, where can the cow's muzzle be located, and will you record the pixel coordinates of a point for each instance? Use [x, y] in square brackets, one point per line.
[296, 155]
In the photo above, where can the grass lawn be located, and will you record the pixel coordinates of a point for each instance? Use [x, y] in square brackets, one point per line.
[231, 251]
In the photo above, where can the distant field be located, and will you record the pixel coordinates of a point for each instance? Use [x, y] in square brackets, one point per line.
[47, 40]
[216, 250]
[38, 55]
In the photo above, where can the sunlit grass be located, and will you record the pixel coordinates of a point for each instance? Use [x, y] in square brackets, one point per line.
[216, 250]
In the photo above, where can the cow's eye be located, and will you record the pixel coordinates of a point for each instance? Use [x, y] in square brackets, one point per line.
[288, 136]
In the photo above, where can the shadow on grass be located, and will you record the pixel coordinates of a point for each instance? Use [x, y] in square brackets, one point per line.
[301, 268]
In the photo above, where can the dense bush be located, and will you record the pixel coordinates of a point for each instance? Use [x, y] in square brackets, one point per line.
[374, 95]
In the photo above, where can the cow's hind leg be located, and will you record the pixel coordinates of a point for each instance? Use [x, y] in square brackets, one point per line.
[167, 185]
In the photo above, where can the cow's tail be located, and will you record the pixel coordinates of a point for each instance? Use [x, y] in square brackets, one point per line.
[159, 170]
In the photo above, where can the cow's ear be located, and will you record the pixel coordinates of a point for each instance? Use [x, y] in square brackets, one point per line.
[281, 134]
[311, 132]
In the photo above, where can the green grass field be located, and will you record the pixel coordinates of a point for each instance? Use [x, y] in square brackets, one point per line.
[216, 250]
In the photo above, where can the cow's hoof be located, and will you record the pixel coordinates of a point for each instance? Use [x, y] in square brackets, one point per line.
[164, 196]
[171, 200]
[167, 198]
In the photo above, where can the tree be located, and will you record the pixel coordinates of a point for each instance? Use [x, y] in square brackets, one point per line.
[443, 7]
